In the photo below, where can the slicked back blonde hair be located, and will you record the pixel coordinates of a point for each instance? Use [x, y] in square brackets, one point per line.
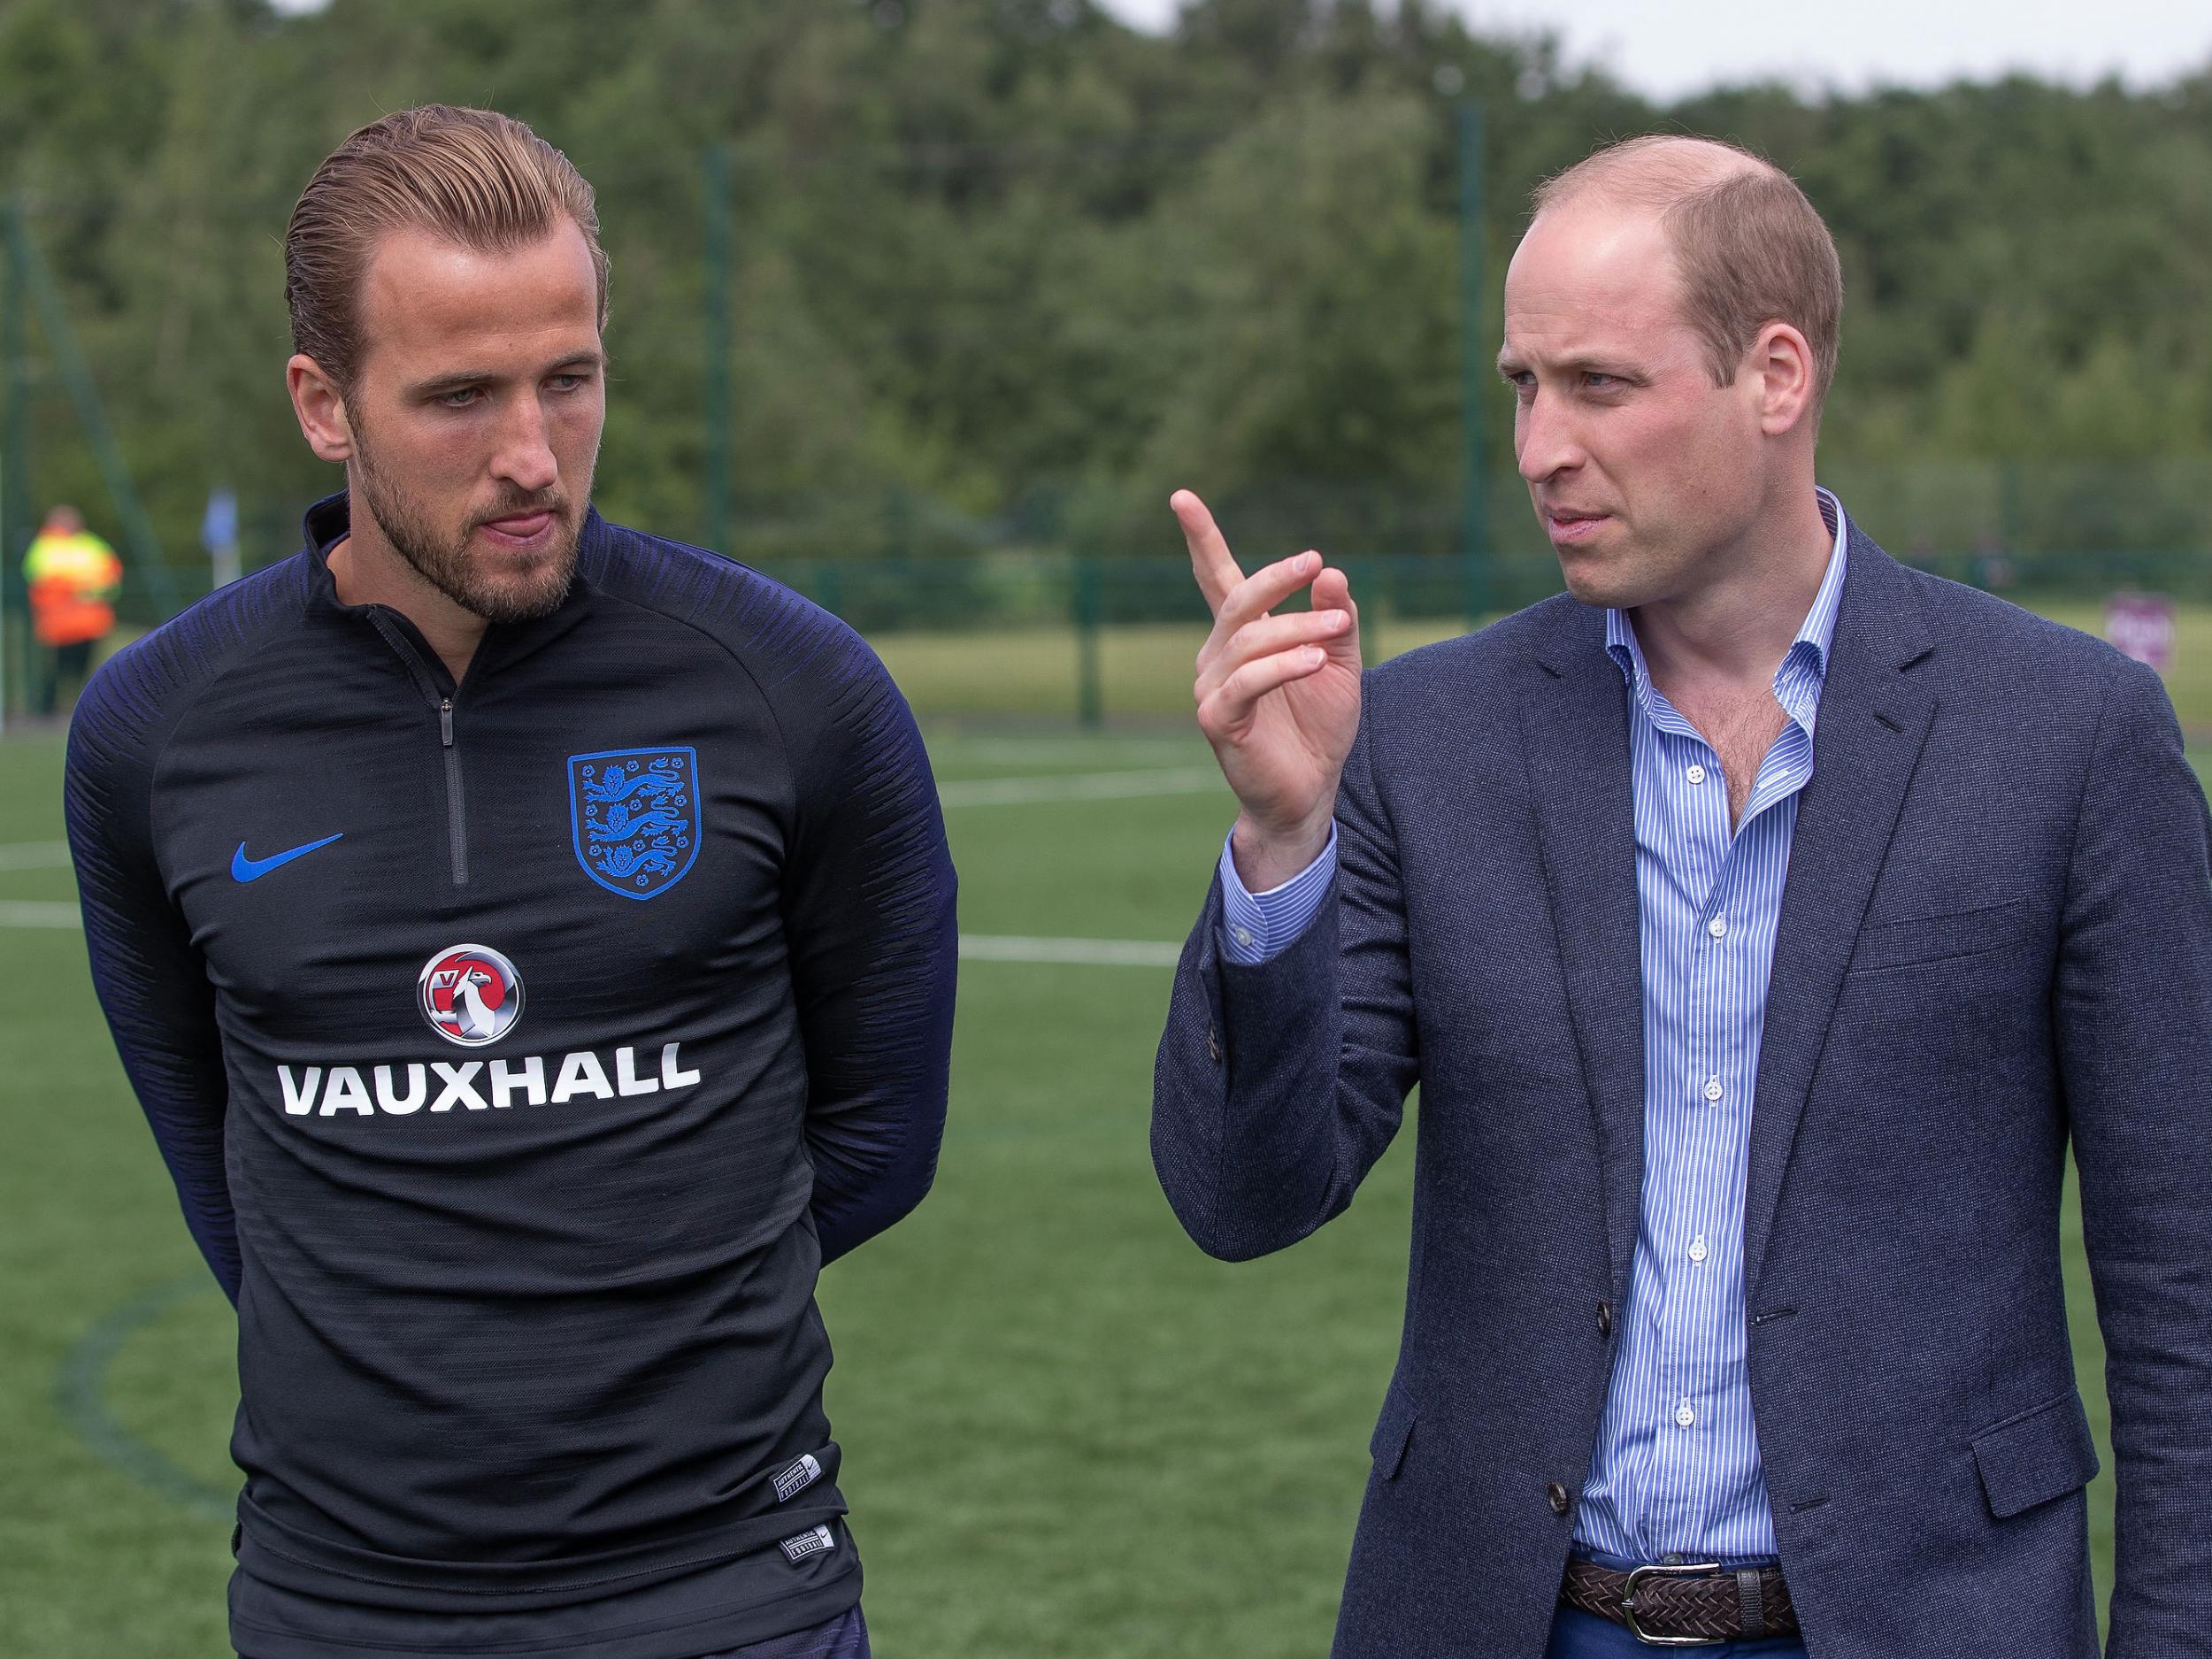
[1751, 249]
[473, 177]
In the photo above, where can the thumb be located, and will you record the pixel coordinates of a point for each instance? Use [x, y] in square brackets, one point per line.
[1332, 591]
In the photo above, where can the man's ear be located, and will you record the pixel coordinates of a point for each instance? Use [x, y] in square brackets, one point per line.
[1783, 363]
[321, 409]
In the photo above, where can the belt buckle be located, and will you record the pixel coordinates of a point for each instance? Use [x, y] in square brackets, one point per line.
[1661, 1570]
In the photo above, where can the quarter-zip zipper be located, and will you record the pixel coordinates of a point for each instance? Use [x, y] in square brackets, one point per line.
[456, 822]
[441, 701]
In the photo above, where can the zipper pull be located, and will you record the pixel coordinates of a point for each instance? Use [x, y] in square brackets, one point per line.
[445, 721]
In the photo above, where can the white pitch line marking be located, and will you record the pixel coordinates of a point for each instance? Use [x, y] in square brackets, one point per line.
[29, 913]
[1081, 785]
[1104, 953]
[35, 855]
[1119, 751]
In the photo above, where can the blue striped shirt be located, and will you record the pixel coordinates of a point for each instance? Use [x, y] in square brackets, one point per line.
[1676, 1467]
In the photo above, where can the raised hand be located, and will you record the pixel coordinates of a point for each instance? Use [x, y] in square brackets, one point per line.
[1277, 695]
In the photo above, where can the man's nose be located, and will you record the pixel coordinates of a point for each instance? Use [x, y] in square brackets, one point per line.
[1545, 442]
[526, 456]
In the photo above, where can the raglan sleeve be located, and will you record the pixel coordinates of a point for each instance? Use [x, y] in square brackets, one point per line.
[151, 980]
[874, 947]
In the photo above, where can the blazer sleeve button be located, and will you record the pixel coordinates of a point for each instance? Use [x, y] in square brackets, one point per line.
[1557, 1493]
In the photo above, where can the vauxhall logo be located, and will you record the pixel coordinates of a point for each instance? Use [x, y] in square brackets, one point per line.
[401, 1089]
[472, 995]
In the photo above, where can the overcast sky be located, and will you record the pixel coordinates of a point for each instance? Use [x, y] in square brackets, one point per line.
[1666, 50]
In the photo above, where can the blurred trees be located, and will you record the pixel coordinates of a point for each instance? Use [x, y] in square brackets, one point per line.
[1006, 262]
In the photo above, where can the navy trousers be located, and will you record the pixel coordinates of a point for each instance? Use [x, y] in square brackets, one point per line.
[844, 1637]
[1579, 1635]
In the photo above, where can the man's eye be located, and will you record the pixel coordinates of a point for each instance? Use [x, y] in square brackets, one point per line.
[461, 399]
[565, 382]
[1600, 382]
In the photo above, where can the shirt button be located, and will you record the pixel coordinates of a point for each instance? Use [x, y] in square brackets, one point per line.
[1696, 774]
[1558, 1494]
[1713, 1090]
[1717, 927]
[1243, 935]
[1698, 1250]
[1682, 1416]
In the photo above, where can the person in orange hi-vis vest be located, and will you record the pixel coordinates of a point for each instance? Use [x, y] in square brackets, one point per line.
[73, 577]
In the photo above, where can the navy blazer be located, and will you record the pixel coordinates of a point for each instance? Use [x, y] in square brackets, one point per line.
[1996, 932]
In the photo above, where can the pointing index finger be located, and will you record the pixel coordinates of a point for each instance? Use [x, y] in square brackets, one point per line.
[1210, 560]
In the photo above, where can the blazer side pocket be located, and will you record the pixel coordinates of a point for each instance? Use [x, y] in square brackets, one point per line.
[1394, 1432]
[2039, 1454]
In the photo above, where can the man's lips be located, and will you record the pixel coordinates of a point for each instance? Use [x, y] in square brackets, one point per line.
[520, 529]
[1568, 524]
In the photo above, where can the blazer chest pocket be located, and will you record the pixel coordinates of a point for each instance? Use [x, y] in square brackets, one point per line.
[1917, 941]
[1392, 1430]
[2039, 1454]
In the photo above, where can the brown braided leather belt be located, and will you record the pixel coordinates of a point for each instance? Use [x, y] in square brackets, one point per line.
[1670, 1606]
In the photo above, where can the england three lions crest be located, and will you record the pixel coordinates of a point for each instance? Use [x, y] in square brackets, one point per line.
[635, 815]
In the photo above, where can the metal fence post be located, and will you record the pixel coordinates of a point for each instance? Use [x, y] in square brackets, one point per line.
[15, 437]
[1474, 529]
[715, 275]
[1090, 695]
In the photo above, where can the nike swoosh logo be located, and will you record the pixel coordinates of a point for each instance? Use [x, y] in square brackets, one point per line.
[245, 869]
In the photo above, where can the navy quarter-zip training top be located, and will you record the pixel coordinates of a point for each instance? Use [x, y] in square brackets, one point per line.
[520, 1048]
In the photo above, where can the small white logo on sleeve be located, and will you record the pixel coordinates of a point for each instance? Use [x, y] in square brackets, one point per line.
[813, 1541]
[797, 1478]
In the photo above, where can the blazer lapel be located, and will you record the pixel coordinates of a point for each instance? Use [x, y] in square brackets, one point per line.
[1873, 720]
[1574, 726]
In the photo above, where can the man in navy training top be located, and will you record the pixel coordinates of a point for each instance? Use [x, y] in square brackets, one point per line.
[532, 944]
[1589, 879]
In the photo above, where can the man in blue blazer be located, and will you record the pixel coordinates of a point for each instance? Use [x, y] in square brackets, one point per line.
[1748, 1061]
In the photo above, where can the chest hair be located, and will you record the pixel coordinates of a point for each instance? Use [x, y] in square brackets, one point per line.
[1740, 730]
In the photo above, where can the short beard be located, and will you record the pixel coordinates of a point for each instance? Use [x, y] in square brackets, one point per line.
[445, 564]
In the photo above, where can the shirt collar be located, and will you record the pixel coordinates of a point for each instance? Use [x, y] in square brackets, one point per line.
[328, 523]
[1806, 660]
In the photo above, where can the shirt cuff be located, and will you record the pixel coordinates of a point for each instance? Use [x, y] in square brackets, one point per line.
[1257, 926]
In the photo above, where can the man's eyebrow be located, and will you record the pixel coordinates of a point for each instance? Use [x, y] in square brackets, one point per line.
[455, 382]
[461, 379]
[1619, 368]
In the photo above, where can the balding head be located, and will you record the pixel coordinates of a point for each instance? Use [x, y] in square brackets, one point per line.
[1749, 249]
[1653, 172]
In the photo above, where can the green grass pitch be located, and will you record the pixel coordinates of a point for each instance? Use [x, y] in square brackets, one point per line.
[1068, 1434]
